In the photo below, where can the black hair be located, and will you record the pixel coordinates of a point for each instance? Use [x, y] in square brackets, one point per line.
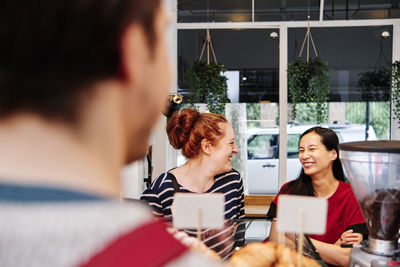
[51, 51]
[302, 185]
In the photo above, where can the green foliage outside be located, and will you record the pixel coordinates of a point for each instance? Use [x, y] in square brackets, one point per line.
[355, 113]
[253, 113]
[308, 82]
[308, 112]
[396, 89]
[379, 116]
[208, 86]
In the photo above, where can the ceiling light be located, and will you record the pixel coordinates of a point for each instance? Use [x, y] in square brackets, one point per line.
[273, 35]
[385, 34]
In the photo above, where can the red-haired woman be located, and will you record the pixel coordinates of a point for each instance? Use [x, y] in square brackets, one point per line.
[207, 141]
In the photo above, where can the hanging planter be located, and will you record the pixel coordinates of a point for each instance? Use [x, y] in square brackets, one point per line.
[308, 82]
[374, 85]
[396, 89]
[206, 81]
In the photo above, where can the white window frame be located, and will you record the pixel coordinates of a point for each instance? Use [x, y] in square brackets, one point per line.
[167, 159]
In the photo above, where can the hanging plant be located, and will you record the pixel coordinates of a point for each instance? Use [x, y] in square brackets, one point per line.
[396, 89]
[208, 85]
[374, 85]
[309, 82]
[206, 81]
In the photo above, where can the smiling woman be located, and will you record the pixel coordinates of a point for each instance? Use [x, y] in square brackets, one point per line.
[207, 141]
[322, 176]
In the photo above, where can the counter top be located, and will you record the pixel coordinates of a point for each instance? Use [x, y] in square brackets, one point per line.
[257, 205]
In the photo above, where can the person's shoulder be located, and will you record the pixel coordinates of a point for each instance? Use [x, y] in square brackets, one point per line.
[230, 176]
[285, 188]
[163, 181]
[345, 189]
[287, 184]
[137, 247]
[234, 174]
[78, 219]
[161, 189]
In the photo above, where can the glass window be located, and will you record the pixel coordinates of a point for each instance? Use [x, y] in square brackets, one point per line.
[293, 146]
[349, 52]
[262, 146]
[214, 10]
[353, 111]
[288, 10]
[255, 56]
[359, 55]
[253, 53]
[361, 9]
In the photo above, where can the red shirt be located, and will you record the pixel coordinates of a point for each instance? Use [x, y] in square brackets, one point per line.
[343, 212]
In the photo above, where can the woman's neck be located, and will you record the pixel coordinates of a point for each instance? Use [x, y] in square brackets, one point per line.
[195, 175]
[324, 186]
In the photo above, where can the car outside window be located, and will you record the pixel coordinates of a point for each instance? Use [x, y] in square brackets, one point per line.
[262, 146]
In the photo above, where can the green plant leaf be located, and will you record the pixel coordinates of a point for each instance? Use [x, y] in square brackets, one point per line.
[208, 85]
[309, 82]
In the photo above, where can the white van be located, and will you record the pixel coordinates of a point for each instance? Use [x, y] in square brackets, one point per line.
[263, 153]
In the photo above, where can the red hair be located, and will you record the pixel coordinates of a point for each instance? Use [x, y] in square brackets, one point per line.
[187, 128]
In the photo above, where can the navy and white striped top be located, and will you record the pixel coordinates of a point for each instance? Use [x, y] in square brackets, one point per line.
[160, 196]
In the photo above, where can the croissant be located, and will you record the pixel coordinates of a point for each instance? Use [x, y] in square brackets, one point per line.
[268, 255]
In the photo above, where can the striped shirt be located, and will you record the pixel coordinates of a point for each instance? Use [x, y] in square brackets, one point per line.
[160, 196]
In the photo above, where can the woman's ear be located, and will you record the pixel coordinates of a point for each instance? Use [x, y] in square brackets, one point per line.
[206, 146]
[333, 154]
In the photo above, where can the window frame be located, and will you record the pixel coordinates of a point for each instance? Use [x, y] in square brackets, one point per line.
[169, 157]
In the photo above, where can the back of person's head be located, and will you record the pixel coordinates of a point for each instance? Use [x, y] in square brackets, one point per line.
[187, 128]
[52, 51]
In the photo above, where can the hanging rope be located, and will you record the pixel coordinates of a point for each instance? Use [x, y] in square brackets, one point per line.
[208, 44]
[378, 63]
[308, 36]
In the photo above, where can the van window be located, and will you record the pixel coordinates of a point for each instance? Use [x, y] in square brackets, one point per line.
[262, 146]
[293, 146]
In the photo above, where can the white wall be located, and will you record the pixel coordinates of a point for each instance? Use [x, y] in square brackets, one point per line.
[132, 180]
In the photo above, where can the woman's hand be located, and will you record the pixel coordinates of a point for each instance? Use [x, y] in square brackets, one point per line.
[349, 237]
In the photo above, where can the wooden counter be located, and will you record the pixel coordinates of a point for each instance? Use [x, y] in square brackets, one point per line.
[257, 205]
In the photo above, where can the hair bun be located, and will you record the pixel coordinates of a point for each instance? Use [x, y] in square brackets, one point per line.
[180, 125]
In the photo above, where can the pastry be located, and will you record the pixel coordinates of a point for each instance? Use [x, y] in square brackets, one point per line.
[268, 255]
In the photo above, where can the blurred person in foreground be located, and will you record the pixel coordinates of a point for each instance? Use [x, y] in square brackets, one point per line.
[322, 176]
[78, 100]
[207, 141]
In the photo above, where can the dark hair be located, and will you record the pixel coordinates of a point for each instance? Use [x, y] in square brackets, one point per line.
[51, 51]
[302, 185]
[187, 128]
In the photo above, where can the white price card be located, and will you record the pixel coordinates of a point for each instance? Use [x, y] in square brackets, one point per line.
[192, 210]
[302, 214]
